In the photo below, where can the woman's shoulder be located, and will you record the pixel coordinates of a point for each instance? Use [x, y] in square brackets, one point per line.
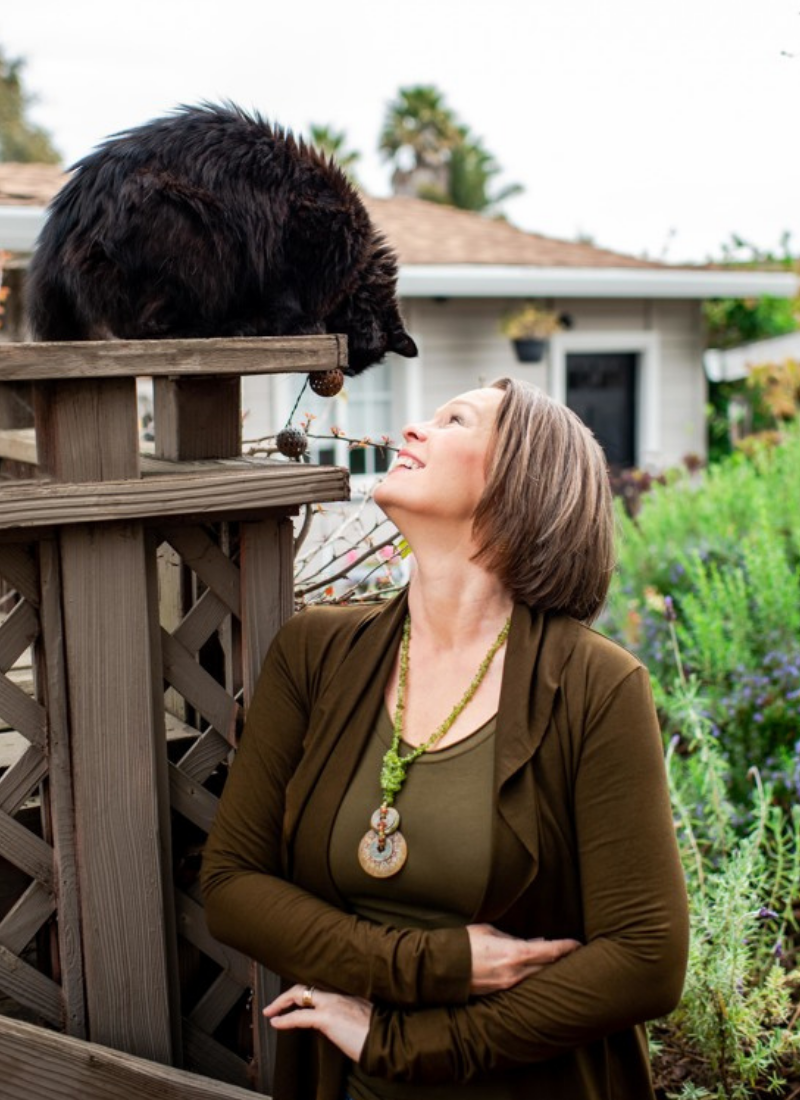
[325, 634]
[586, 649]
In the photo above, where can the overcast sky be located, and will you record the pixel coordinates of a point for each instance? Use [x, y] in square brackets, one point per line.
[659, 128]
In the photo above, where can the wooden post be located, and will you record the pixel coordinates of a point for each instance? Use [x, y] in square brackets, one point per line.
[267, 560]
[87, 430]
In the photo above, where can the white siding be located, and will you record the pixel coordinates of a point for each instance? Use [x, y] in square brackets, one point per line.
[461, 347]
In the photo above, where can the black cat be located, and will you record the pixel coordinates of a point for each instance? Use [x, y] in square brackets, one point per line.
[210, 222]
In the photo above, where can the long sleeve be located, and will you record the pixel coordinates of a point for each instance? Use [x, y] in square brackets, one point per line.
[635, 916]
[250, 905]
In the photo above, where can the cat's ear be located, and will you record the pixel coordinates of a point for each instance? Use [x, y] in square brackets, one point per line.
[402, 344]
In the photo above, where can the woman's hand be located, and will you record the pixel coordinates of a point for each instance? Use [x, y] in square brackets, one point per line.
[499, 961]
[343, 1020]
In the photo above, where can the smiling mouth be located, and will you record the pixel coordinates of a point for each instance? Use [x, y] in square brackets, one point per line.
[406, 462]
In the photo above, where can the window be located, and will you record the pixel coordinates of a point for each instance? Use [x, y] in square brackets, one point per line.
[364, 409]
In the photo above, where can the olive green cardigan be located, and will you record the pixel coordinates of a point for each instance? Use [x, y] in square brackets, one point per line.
[581, 807]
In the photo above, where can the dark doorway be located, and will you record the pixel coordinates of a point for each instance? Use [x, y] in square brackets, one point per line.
[601, 389]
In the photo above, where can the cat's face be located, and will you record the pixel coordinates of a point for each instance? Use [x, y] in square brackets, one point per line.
[370, 317]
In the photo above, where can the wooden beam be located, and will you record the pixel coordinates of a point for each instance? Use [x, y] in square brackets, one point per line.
[37, 1062]
[19, 445]
[214, 495]
[33, 362]
[116, 732]
[198, 417]
[87, 429]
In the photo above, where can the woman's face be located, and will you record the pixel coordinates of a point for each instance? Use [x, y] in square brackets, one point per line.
[441, 469]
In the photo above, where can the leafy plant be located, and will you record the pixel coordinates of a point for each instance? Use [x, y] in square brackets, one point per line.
[531, 322]
[733, 1035]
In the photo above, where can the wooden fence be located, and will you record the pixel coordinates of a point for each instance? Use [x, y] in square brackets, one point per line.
[148, 590]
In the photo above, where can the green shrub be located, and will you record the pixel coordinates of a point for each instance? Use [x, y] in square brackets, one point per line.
[708, 594]
[733, 1032]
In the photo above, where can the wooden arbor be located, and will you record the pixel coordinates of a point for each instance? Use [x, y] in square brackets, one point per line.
[105, 938]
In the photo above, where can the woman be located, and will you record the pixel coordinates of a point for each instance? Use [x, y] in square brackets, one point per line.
[448, 823]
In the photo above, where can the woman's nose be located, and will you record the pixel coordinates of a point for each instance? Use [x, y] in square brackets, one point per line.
[414, 431]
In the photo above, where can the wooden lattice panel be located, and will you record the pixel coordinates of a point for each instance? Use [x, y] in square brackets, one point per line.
[36, 854]
[205, 665]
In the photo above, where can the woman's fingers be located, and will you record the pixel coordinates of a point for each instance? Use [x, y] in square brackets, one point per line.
[344, 1020]
[298, 996]
[499, 961]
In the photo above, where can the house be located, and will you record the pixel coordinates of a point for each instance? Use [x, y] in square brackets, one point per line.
[630, 360]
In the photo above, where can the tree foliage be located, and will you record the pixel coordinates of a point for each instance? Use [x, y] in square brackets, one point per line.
[20, 139]
[436, 157]
[734, 321]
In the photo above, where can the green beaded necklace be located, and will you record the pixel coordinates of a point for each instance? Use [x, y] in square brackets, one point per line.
[383, 850]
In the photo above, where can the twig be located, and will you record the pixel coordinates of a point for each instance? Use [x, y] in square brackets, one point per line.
[329, 580]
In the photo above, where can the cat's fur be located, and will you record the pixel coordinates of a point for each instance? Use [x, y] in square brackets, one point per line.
[210, 222]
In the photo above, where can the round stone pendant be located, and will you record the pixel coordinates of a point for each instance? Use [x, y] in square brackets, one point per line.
[391, 819]
[382, 864]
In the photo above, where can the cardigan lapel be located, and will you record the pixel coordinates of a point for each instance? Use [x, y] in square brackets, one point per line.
[335, 740]
[538, 649]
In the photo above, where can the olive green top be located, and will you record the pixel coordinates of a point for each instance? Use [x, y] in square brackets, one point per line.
[583, 846]
[445, 808]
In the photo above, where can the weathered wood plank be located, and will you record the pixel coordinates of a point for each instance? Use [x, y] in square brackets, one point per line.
[198, 417]
[191, 799]
[215, 1004]
[266, 987]
[25, 773]
[200, 622]
[19, 445]
[87, 430]
[24, 919]
[182, 671]
[161, 777]
[26, 850]
[38, 1063]
[26, 985]
[204, 756]
[17, 633]
[266, 566]
[32, 362]
[113, 737]
[22, 713]
[19, 569]
[205, 1055]
[59, 793]
[215, 495]
[214, 568]
[192, 925]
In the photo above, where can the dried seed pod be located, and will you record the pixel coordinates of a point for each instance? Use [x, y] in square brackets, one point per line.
[326, 383]
[291, 442]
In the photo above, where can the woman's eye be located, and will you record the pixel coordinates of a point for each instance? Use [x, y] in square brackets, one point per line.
[455, 419]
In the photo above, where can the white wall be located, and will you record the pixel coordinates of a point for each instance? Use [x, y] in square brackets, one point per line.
[461, 346]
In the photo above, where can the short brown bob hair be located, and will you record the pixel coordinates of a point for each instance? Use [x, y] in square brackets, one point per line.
[545, 522]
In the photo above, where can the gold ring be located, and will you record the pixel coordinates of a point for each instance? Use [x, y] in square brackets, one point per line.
[308, 997]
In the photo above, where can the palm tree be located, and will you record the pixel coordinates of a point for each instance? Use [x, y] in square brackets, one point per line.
[437, 158]
[418, 133]
[333, 143]
[471, 171]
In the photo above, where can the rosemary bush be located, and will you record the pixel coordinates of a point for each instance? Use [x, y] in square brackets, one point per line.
[708, 594]
[724, 548]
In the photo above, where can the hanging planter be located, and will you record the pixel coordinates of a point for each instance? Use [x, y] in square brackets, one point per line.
[529, 329]
[529, 349]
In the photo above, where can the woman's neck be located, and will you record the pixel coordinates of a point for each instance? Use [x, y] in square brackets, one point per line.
[453, 600]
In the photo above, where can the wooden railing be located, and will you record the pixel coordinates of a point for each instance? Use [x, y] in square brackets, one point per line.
[135, 576]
